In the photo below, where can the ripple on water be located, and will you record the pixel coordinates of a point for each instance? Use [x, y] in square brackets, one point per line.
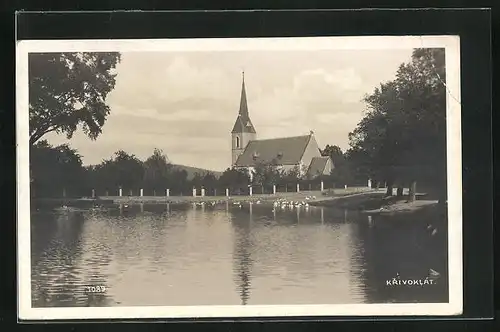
[190, 256]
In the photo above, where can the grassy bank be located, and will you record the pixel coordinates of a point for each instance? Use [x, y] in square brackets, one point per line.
[375, 202]
[401, 206]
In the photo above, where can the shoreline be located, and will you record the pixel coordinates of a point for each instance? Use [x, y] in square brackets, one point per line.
[311, 196]
[364, 200]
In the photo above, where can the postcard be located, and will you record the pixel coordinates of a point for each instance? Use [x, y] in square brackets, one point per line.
[245, 177]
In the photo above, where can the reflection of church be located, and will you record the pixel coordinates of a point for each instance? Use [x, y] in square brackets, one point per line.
[287, 153]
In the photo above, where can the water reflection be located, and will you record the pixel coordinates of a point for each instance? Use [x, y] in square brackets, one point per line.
[242, 259]
[403, 246]
[201, 254]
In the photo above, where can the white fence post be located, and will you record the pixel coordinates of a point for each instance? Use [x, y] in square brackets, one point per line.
[120, 193]
[322, 186]
[194, 192]
[142, 192]
[274, 189]
[227, 192]
[93, 193]
[168, 192]
[369, 183]
[202, 192]
[345, 186]
[251, 191]
[298, 187]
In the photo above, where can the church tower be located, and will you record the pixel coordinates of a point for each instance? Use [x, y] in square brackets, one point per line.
[243, 130]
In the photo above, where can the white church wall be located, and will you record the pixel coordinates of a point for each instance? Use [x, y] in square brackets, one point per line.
[311, 151]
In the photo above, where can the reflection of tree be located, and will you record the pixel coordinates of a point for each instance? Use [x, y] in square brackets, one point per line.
[58, 270]
[242, 254]
[56, 242]
[402, 245]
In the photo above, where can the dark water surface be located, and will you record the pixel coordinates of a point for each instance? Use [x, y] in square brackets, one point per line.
[229, 255]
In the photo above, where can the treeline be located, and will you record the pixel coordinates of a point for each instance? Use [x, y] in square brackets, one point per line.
[402, 138]
[58, 171]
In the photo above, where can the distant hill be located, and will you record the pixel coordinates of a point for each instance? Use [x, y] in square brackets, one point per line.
[191, 171]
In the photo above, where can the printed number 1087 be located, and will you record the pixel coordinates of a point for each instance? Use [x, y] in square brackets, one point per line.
[95, 289]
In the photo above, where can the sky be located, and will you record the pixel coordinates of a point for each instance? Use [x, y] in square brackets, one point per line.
[185, 103]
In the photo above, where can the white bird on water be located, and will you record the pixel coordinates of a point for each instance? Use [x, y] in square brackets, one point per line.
[434, 273]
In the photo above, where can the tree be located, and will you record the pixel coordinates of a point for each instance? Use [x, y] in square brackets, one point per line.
[266, 174]
[209, 181]
[197, 180]
[157, 171]
[334, 152]
[402, 136]
[129, 170]
[233, 178]
[56, 171]
[178, 180]
[341, 173]
[67, 90]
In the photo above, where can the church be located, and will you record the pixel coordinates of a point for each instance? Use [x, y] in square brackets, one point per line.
[286, 153]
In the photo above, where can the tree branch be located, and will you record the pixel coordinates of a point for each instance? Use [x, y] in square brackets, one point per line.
[39, 133]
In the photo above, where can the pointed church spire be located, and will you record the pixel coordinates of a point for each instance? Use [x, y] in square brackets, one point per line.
[243, 101]
[243, 123]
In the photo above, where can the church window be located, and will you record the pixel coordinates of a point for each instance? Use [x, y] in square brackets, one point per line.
[237, 142]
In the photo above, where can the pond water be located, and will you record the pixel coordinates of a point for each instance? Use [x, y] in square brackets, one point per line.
[229, 255]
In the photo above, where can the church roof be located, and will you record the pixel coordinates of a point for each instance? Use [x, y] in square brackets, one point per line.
[281, 151]
[317, 166]
[243, 124]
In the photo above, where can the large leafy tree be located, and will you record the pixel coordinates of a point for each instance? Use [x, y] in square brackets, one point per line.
[402, 136]
[67, 90]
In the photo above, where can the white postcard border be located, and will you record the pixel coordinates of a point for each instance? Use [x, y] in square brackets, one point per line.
[454, 176]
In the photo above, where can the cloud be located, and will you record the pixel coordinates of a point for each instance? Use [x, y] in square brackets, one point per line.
[185, 103]
[314, 99]
[167, 85]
